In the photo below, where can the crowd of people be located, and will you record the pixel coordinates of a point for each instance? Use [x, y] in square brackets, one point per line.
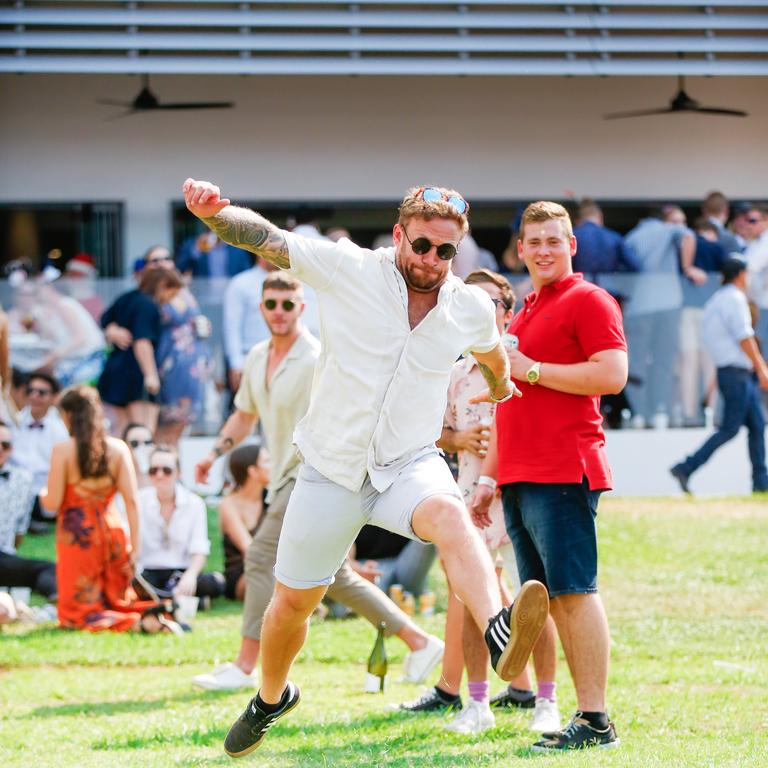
[337, 488]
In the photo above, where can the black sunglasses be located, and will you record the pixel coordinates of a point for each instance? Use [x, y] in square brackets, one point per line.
[271, 304]
[753, 220]
[420, 246]
[137, 443]
[499, 303]
[167, 471]
[6, 445]
[38, 391]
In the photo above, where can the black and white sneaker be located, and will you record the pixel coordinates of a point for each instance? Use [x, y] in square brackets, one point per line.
[249, 730]
[433, 700]
[578, 734]
[514, 698]
[513, 632]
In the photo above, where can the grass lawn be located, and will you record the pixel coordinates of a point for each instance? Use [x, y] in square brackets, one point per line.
[686, 589]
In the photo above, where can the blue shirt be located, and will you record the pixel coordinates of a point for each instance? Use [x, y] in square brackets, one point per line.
[600, 249]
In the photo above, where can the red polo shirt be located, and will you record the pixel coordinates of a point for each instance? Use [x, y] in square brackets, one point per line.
[547, 436]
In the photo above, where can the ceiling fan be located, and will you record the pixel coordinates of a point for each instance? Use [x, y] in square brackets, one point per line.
[146, 101]
[682, 102]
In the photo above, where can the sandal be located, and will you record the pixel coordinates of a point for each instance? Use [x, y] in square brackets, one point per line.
[164, 618]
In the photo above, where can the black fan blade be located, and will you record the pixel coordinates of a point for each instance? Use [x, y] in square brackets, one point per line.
[197, 105]
[114, 103]
[722, 111]
[637, 113]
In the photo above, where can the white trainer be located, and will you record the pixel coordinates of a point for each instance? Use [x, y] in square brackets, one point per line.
[546, 716]
[418, 664]
[475, 718]
[225, 677]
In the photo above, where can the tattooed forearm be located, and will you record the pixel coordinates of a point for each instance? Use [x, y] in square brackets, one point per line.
[223, 445]
[495, 370]
[246, 229]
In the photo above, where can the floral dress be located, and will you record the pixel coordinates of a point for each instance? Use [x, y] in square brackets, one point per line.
[183, 362]
[92, 564]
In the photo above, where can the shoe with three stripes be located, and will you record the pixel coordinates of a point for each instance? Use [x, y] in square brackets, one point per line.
[249, 730]
[513, 632]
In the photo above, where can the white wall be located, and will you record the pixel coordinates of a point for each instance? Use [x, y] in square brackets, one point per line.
[369, 138]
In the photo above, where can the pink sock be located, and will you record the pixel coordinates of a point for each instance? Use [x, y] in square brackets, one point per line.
[479, 691]
[547, 691]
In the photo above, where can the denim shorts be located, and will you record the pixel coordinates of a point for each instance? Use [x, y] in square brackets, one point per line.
[552, 526]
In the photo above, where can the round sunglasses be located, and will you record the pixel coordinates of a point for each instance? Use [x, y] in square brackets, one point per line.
[287, 304]
[167, 471]
[137, 443]
[421, 245]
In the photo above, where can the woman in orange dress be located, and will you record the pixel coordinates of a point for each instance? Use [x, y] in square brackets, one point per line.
[94, 556]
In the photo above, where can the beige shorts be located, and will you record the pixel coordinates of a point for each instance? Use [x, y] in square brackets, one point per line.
[323, 518]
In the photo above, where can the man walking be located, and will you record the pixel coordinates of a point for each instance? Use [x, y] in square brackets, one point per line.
[741, 371]
[551, 460]
[393, 322]
[275, 388]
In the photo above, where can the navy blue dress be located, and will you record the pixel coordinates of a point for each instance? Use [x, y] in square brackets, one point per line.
[122, 381]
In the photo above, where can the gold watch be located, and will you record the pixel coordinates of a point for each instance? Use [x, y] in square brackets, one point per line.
[533, 374]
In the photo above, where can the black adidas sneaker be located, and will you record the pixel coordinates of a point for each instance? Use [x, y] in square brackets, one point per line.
[578, 734]
[513, 631]
[249, 730]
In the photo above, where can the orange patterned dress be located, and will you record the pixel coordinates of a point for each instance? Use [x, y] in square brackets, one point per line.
[92, 564]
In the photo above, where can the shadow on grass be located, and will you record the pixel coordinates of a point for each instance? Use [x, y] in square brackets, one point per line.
[136, 706]
[373, 740]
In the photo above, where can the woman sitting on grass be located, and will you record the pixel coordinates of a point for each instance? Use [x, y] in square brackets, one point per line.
[174, 529]
[94, 556]
[241, 512]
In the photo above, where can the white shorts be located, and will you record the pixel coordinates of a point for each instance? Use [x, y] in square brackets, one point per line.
[323, 518]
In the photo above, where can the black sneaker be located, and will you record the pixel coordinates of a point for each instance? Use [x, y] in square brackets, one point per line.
[433, 700]
[249, 730]
[578, 734]
[681, 476]
[513, 632]
[515, 699]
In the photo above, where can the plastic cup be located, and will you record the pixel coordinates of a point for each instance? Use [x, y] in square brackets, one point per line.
[187, 609]
[21, 594]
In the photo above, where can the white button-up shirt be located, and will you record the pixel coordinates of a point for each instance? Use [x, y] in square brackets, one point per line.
[171, 544]
[380, 388]
[32, 444]
[726, 322]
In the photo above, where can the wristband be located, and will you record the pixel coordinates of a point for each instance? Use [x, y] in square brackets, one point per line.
[485, 480]
[506, 397]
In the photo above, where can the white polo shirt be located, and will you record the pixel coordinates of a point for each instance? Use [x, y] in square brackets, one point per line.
[380, 388]
[281, 404]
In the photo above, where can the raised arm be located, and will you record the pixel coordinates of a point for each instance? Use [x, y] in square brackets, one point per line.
[240, 227]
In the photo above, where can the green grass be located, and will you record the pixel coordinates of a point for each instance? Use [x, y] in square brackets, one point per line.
[685, 588]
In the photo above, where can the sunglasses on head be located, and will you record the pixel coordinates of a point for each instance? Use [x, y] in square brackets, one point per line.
[288, 304]
[159, 259]
[137, 443]
[167, 471]
[420, 246]
[39, 391]
[434, 195]
[6, 445]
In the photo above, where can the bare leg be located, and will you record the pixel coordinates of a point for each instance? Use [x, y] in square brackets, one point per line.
[445, 521]
[142, 412]
[248, 655]
[545, 654]
[453, 656]
[286, 623]
[170, 433]
[118, 419]
[583, 629]
[414, 637]
[523, 680]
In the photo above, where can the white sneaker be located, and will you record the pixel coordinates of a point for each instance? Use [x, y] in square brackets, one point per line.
[225, 677]
[418, 664]
[475, 718]
[546, 716]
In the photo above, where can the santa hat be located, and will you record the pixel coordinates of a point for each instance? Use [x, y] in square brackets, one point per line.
[81, 265]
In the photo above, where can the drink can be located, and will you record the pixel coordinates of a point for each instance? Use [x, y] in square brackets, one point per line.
[409, 604]
[427, 603]
[509, 341]
[396, 594]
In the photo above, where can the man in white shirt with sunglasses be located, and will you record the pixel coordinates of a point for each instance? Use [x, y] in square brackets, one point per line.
[393, 322]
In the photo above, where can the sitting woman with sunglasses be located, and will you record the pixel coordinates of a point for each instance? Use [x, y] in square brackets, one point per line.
[174, 530]
[241, 512]
[95, 557]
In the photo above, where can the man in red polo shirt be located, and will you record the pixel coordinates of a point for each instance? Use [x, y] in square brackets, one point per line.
[551, 460]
